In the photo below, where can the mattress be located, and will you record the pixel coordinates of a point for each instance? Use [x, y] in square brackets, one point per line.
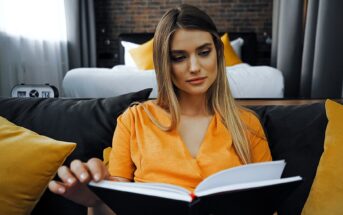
[245, 81]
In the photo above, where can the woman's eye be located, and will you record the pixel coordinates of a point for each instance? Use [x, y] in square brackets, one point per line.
[178, 58]
[204, 53]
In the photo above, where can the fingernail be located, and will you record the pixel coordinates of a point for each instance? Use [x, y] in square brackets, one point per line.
[70, 180]
[83, 176]
[96, 177]
[61, 190]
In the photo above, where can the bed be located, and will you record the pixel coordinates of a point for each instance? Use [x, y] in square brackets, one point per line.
[246, 80]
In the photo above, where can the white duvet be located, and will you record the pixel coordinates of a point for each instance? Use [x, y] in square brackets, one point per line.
[245, 81]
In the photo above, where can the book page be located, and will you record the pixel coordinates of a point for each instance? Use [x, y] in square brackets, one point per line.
[247, 185]
[151, 189]
[243, 174]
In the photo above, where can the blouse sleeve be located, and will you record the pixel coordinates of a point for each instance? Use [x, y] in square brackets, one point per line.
[259, 146]
[120, 162]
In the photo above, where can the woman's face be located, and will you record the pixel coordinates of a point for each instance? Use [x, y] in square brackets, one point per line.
[194, 61]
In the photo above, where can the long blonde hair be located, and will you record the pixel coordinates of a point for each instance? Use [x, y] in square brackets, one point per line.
[219, 97]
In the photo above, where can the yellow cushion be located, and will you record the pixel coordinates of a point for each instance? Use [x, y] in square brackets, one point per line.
[28, 161]
[142, 55]
[326, 194]
[230, 55]
[106, 155]
[143, 58]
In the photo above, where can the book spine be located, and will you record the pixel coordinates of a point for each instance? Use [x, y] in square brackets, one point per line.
[194, 207]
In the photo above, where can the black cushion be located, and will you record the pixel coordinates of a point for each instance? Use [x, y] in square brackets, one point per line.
[295, 134]
[88, 122]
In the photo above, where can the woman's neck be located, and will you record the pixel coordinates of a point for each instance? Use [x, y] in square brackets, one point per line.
[193, 106]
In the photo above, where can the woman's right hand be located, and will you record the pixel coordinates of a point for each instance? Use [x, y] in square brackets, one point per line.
[74, 180]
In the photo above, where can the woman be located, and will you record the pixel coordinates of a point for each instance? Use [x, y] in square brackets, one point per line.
[194, 123]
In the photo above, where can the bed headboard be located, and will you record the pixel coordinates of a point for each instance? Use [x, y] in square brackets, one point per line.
[249, 49]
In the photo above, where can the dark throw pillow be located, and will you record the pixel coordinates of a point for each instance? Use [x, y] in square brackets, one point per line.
[295, 134]
[88, 122]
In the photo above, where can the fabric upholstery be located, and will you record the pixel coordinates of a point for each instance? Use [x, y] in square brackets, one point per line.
[142, 55]
[326, 194]
[28, 161]
[296, 134]
[230, 55]
[88, 122]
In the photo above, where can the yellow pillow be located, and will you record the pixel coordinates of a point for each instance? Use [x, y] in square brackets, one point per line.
[106, 155]
[230, 55]
[28, 161]
[326, 195]
[142, 55]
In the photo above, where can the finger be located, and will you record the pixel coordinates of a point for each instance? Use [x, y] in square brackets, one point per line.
[80, 170]
[97, 169]
[66, 175]
[57, 187]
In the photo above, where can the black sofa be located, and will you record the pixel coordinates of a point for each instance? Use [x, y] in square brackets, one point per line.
[295, 133]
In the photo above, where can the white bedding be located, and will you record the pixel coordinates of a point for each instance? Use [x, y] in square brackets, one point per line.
[245, 81]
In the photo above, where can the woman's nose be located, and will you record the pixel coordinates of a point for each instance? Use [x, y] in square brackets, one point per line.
[194, 65]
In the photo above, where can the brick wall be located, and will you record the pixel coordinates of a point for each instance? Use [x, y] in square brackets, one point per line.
[126, 16]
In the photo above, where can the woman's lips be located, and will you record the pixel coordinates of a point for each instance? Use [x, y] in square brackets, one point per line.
[196, 81]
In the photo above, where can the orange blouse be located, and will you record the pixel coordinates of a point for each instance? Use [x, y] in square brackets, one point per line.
[144, 153]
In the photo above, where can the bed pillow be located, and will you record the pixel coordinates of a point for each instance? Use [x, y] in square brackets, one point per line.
[326, 194]
[143, 56]
[230, 55]
[28, 161]
[237, 46]
[128, 61]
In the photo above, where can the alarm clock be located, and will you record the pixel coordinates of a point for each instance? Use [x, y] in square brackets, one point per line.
[34, 91]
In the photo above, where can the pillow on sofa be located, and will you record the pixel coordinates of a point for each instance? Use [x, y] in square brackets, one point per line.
[295, 134]
[327, 190]
[28, 161]
[89, 123]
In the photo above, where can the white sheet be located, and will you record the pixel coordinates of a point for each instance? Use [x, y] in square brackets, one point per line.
[245, 81]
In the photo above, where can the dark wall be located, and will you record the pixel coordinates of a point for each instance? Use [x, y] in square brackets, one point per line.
[118, 16]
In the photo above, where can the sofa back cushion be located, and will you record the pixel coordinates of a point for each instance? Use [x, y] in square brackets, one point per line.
[89, 123]
[295, 134]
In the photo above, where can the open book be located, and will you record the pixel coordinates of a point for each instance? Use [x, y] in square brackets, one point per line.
[249, 189]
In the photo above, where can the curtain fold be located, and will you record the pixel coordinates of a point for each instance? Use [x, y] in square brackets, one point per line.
[328, 60]
[81, 33]
[289, 43]
[309, 49]
[306, 47]
[33, 50]
[41, 40]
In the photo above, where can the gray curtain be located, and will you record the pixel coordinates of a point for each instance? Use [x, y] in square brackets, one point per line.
[307, 45]
[80, 17]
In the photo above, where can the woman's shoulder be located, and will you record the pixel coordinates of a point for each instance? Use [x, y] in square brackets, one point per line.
[137, 107]
[144, 112]
[140, 109]
[250, 118]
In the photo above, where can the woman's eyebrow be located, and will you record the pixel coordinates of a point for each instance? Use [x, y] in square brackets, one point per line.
[204, 46]
[198, 48]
